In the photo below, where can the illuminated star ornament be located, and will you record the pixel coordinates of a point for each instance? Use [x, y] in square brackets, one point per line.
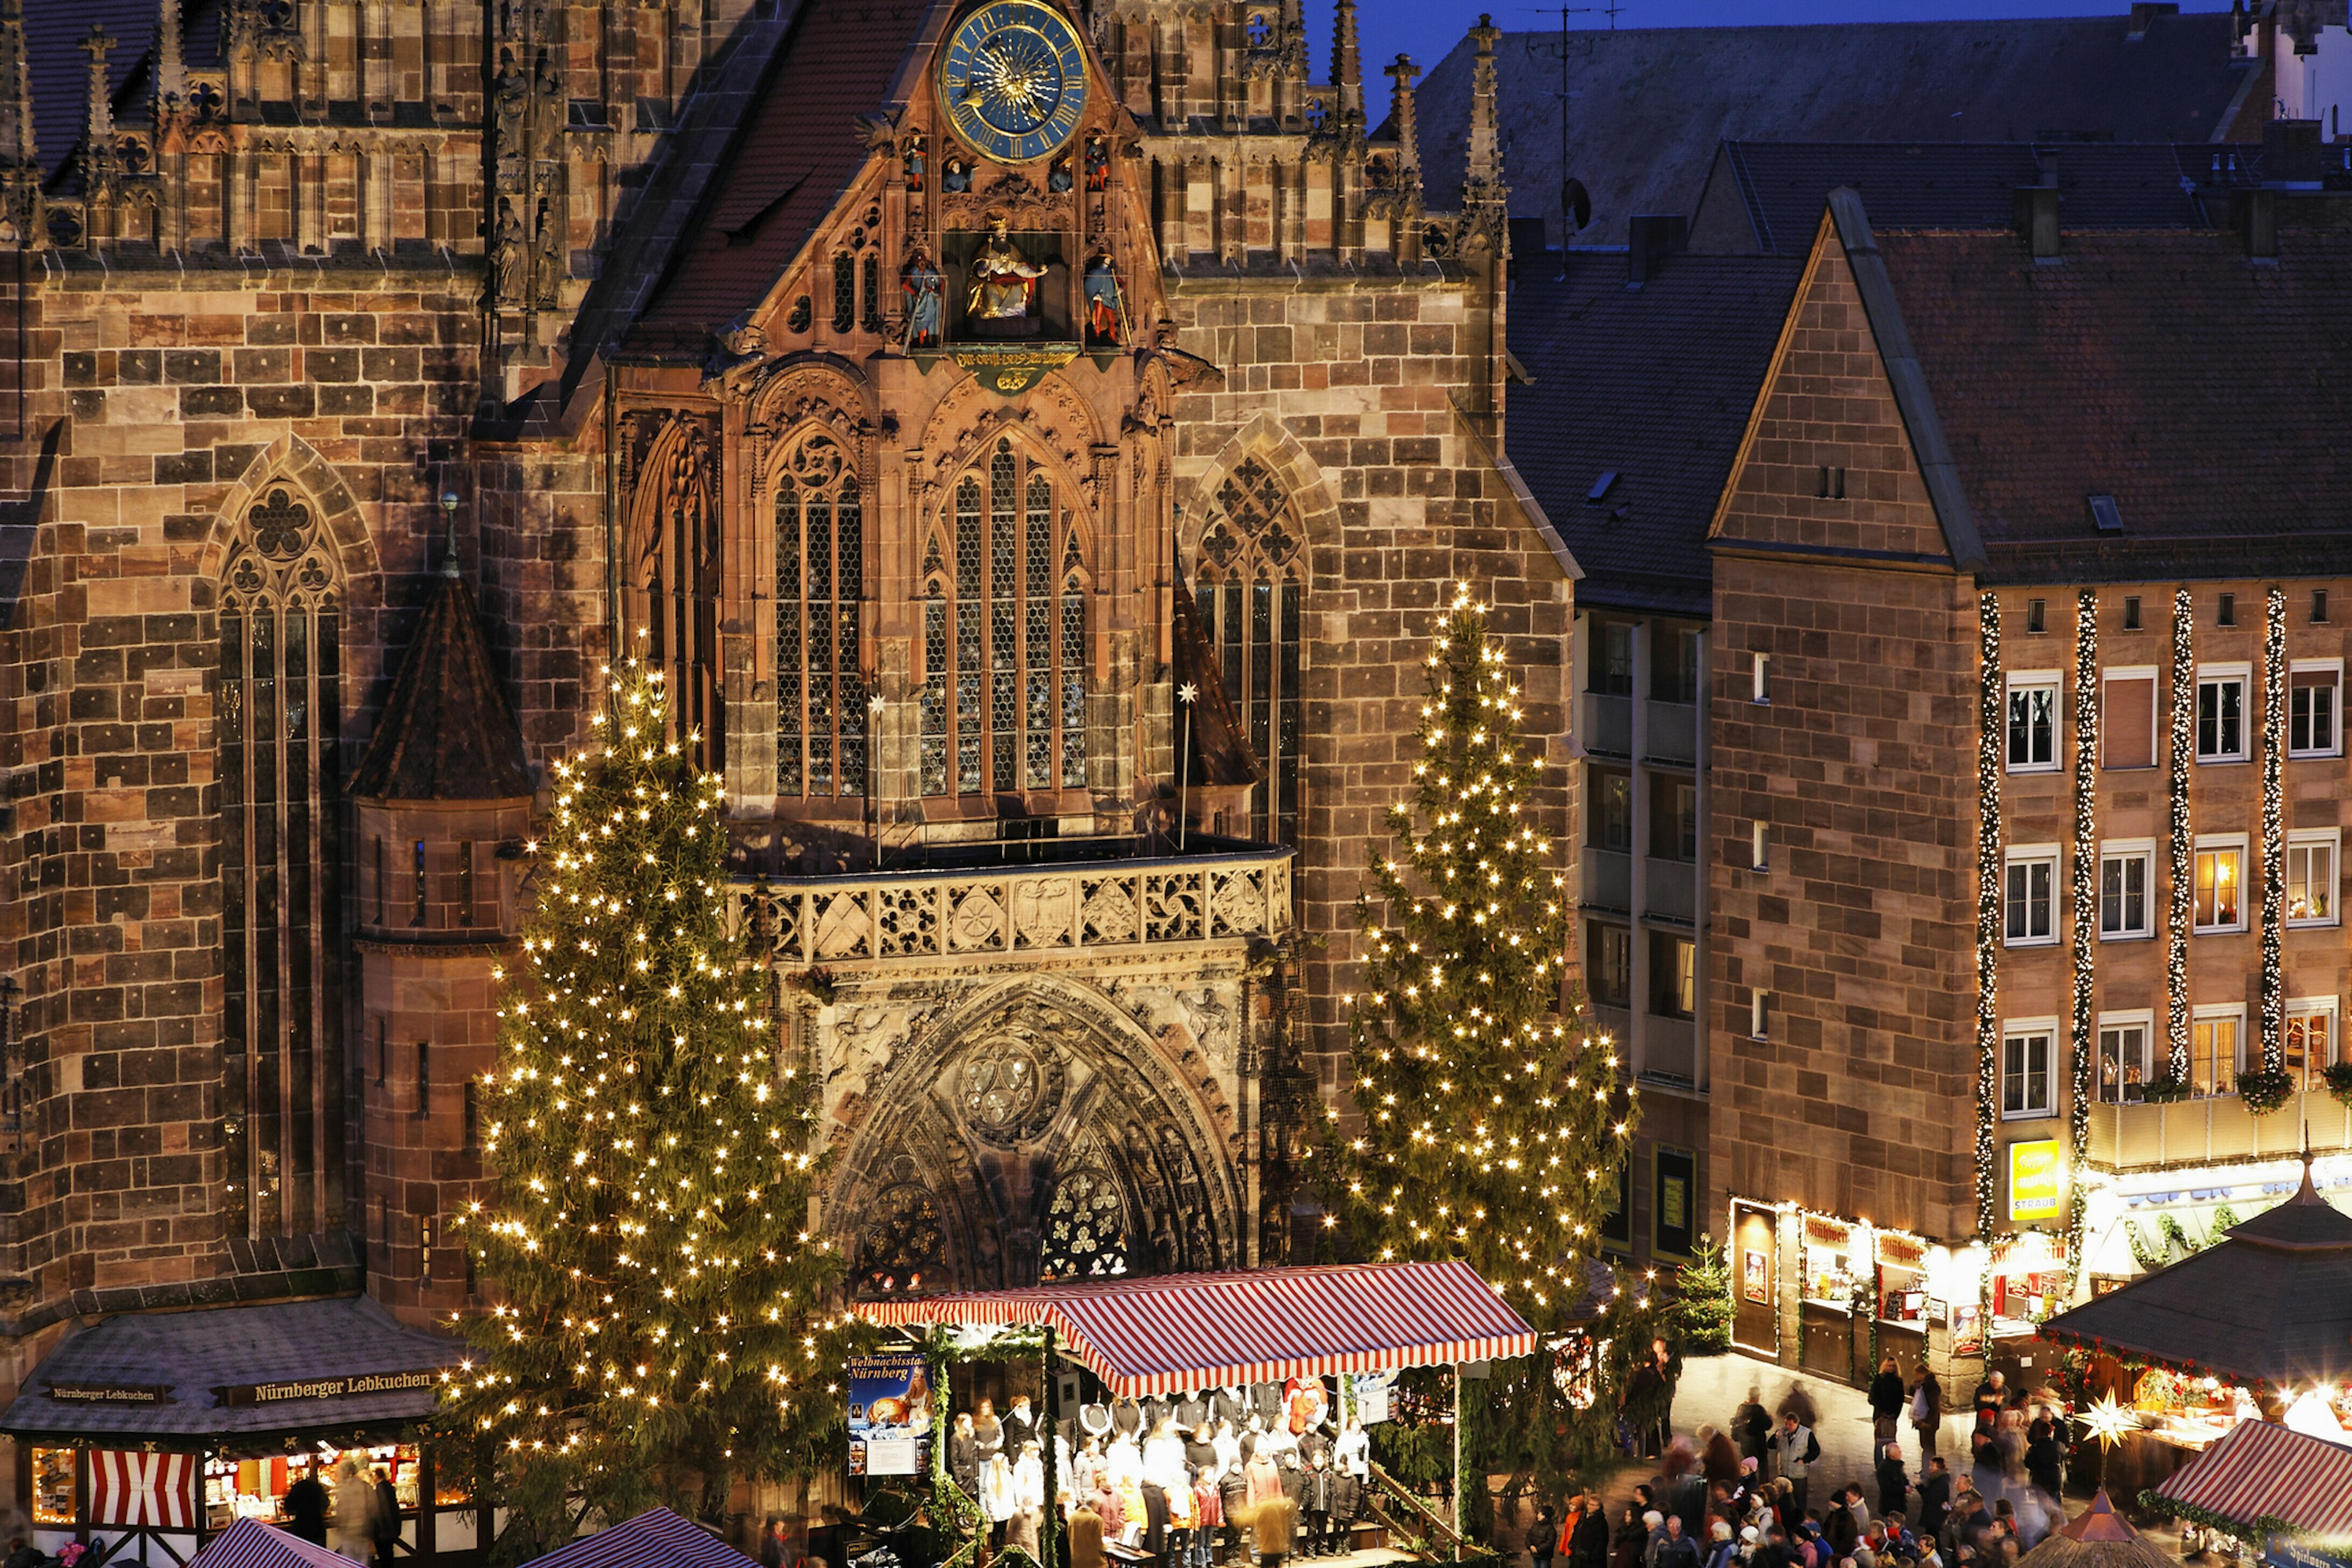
[2107, 1422]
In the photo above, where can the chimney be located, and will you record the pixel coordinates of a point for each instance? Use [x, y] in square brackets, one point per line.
[2255, 212]
[2290, 155]
[2036, 210]
[2143, 12]
[1650, 239]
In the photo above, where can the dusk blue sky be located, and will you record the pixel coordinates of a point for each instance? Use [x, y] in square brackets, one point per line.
[1426, 29]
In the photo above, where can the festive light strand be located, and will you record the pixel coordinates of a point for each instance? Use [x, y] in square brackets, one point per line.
[1989, 731]
[2081, 1036]
[2273, 981]
[2180, 742]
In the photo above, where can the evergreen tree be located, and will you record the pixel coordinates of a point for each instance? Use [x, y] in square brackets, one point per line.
[660, 1326]
[1703, 1306]
[1490, 1129]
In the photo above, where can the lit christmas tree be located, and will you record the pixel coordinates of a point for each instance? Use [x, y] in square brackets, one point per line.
[661, 1326]
[1491, 1127]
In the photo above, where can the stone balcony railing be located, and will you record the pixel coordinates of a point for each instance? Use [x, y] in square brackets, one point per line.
[1110, 904]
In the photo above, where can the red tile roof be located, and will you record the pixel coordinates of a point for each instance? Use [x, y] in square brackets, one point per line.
[2209, 394]
[791, 162]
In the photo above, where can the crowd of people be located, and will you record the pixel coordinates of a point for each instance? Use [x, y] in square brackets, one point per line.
[1742, 1496]
[1214, 1476]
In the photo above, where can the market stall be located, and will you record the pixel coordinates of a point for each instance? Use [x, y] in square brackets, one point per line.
[1183, 1336]
[249, 1543]
[1835, 1261]
[654, 1539]
[172, 1426]
[1902, 1294]
[2098, 1538]
[2260, 1473]
[2247, 1329]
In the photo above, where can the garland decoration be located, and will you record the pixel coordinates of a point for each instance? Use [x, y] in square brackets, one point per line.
[2180, 742]
[1989, 758]
[2086, 918]
[2274, 832]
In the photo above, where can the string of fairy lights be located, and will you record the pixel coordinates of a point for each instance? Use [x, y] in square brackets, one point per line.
[2082, 1034]
[1488, 1131]
[644, 1268]
[2274, 982]
[2180, 736]
[1989, 731]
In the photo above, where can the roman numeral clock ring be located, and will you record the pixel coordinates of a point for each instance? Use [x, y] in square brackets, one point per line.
[1013, 80]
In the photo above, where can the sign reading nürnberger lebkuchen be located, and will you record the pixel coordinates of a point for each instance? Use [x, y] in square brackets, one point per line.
[111, 1392]
[346, 1387]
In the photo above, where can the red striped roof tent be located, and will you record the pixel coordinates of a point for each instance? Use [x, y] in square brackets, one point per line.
[2258, 1471]
[1169, 1332]
[654, 1539]
[250, 1544]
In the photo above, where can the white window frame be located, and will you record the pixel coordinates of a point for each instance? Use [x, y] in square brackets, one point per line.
[2215, 843]
[2026, 1029]
[2215, 675]
[2217, 1012]
[2145, 1022]
[2030, 855]
[1759, 846]
[1762, 675]
[2144, 851]
[2036, 681]
[2150, 674]
[2331, 839]
[2335, 726]
[1759, 1015]
[2304, 1006]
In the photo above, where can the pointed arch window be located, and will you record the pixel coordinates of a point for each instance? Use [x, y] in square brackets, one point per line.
[845, 291]
[674, 565]
[821, 748]
[1004, 636]
[1251, 590]
[277, 713]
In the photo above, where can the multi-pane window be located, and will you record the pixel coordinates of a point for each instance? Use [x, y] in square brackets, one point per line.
[2213, 1049]
[2307, 1040]
[821, 711]
[2122, 1070]
[2314, 709]
[845, 291]
[1610, 812]
[1675, 677]
[1004, 637]
[674, 561]
[277, 713]
[2220, 718]
[1674, 818]
[1613, 659]
[2027, 917]
[1252, 596]
[2032, 723]
[2125, 909]
[2026, 1088]
[2220, 876]
[2311, 877]
[1674, 976]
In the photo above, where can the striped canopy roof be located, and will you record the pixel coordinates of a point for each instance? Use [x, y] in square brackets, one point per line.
[654, 1539]
[1175, 1332]
[2259, 1471]
[249, 1543]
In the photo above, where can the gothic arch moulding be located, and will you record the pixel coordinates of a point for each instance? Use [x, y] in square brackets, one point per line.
[294, 463]
[1267, 441]
[818, 392]
[1035, 1121]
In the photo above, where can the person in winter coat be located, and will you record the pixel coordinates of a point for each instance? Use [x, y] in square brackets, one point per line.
[1674, 1549]
[1021, 1529]
[1934, 1499]
[963, 1454]
[1315, 1505]
[1543, 1538]
[1085, 1538]
[988, 1431]
[1719, 1460]
[1587, 1536]
[1894, 1481]
[1232, 1500]
[1838, 1529]
[1629, 1541]
[386, 1518]
[1886, 1401]
[353, 1532]
[1927, 1412]
[1752, 1425]
[1264, 1478]
[2045, 1459]
[306, 1510]
[1722, 1551]
[1796, 1449]
[1276, 1523]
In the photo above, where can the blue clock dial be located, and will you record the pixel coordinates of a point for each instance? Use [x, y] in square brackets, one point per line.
[1012, 81]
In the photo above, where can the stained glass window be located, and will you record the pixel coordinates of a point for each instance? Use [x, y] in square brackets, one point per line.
[820, 576]
[1251, 589]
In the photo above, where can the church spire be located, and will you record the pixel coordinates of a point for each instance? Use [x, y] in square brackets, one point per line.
[1347, 62]
[1483, 183]
[98, 130]
[1402, 76]
[16, 152]
[171, 58]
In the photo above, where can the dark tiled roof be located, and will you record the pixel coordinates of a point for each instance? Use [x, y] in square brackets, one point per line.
[1776, 188]
[2245, 1306]
[794, 156]
[1647, 106]
[1655, 384]
[447, 732]
[193, 1353]
[2202, 391]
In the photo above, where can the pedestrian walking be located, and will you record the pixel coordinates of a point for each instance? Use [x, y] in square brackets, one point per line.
[387, 1519]
[1796, 1450]
[353, 1528]
[305, 1509]
[1927, 1412]
[1886, 1401]
[1894, 1481]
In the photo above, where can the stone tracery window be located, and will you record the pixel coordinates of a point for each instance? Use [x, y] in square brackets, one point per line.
[821, 743]
[675, 558]
[903, 1248]
[1086, 1230]
[1251, 589]
[278, 714]
[1005, 629]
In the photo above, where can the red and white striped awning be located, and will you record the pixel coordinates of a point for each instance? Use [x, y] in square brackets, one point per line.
[1174, 1332]
[2259, 1471]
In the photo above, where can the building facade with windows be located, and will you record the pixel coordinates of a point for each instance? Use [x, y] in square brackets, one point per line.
[1040, 520]
[2037, 719]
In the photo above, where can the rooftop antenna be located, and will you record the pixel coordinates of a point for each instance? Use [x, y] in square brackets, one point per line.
[1611, 11]
[1569, 224]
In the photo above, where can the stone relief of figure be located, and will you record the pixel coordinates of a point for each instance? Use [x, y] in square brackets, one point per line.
[510, 102]
[548, 261]
[507, 262]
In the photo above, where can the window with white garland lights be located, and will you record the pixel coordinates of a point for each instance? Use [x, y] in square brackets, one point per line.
[2034, 721]
[2311, 877]
[2027, 1088]
[2222, 713]
[2216, 1055]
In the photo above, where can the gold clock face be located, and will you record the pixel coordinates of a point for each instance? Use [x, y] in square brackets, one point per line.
[1012, 81]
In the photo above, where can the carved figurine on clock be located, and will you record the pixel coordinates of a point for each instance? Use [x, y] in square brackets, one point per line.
[1012, 81]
